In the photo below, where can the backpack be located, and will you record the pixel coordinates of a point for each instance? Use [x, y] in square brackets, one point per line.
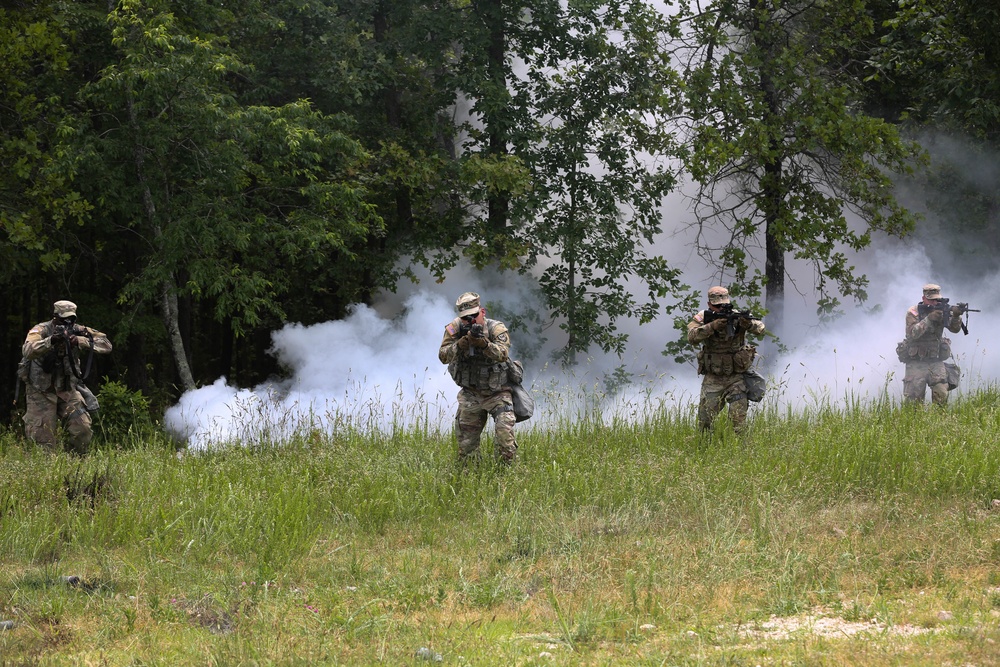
[524, 404]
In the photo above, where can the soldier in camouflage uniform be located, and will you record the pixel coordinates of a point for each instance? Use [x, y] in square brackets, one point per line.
[51, 371]
[722, 360]
[477, 358]
[925, 348]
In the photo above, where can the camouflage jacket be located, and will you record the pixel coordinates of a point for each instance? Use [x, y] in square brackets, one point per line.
[925, 339]
[719, 354]
[46, 367]
[480, 369]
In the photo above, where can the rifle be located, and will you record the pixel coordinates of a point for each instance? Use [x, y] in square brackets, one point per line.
[62, 333]
[923, 310]
[474, 330]
[731, 316]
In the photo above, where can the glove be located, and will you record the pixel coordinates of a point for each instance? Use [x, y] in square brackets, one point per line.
[479, 342]
[745, 323]
[956, 311]
[718, 325]
[73, 340]
[56, 339]
[935, 316]
[463, 343]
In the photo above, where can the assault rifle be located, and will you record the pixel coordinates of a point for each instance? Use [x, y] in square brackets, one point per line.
[731, 316]
[923, 310]
[61, 336]
[474, 330]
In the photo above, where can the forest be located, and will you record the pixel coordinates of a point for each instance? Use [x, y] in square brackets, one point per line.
[196, 173]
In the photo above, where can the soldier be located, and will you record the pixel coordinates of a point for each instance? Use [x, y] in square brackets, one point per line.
[925, 348]
[723, 358]
[476, 350]
[53, 377]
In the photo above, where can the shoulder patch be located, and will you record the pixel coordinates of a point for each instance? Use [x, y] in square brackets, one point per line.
[913, 311]
[450, 329]
[700, 317]
[502, 337]
[35, 329]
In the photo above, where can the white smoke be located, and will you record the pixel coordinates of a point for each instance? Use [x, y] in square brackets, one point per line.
[364, 372]
[377, 369]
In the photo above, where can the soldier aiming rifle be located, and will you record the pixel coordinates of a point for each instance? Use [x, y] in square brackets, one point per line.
[926, 349]
[725, 358]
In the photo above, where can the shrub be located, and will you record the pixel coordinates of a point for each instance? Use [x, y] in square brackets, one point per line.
[124, 418]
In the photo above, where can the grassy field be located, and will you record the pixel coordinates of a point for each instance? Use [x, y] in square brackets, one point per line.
[858, 536]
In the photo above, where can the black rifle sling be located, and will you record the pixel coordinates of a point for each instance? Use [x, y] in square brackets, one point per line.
[90, 357]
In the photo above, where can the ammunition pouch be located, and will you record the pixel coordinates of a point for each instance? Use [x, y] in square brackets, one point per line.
[954, 375]
[49, 362]
[515, 371]
[756, 386]
[934, 350]
[24, 370]
[524, 404]
[726, 363]
[478, 373]
[89, 400]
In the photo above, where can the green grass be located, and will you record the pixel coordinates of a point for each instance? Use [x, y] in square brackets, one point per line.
[608, 543]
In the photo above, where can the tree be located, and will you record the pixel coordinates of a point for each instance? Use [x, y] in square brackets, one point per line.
[596, 151]
[216, 200]
[780, 148]
[939, 59]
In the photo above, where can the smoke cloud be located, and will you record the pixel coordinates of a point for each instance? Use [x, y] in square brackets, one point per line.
[377, 369]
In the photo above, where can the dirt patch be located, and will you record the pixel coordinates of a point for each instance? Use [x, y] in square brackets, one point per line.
[206, 613]
[778, 628]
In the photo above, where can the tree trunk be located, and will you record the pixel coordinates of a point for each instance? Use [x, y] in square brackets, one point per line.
[168, 310]
[168, 295]
[493, 14]
[771, 194]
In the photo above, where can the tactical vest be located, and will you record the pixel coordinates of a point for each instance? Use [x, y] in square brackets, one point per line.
[725, 356]
[932, 346]
[52, 370]
[471, 369]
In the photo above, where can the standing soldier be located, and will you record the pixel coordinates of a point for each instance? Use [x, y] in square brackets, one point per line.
[53, 377]
[723, 359]
[476, 350]
[926, 348]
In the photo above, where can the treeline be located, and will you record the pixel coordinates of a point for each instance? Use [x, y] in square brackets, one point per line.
[196, 173]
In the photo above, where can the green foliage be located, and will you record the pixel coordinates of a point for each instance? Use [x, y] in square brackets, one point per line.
[783, 154]
[941, 57]
[596, 150]
[124, 419]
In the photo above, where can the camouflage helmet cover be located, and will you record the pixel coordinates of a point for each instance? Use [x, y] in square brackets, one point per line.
[932, 291]
[718, 295]
[468, 304]
[64, 309]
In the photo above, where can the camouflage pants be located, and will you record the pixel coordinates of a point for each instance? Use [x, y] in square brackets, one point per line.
[717, 390]
[45, 409]
[923, 374]
[474, 409]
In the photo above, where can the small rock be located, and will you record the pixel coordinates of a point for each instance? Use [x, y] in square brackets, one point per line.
[995, 503]
[71, 580]
[646, 627]
[945, 615]
[7, 625]
[544, 654]
[692, 633]
[424, 653]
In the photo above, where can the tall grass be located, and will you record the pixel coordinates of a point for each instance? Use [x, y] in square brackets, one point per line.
[356, 548]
